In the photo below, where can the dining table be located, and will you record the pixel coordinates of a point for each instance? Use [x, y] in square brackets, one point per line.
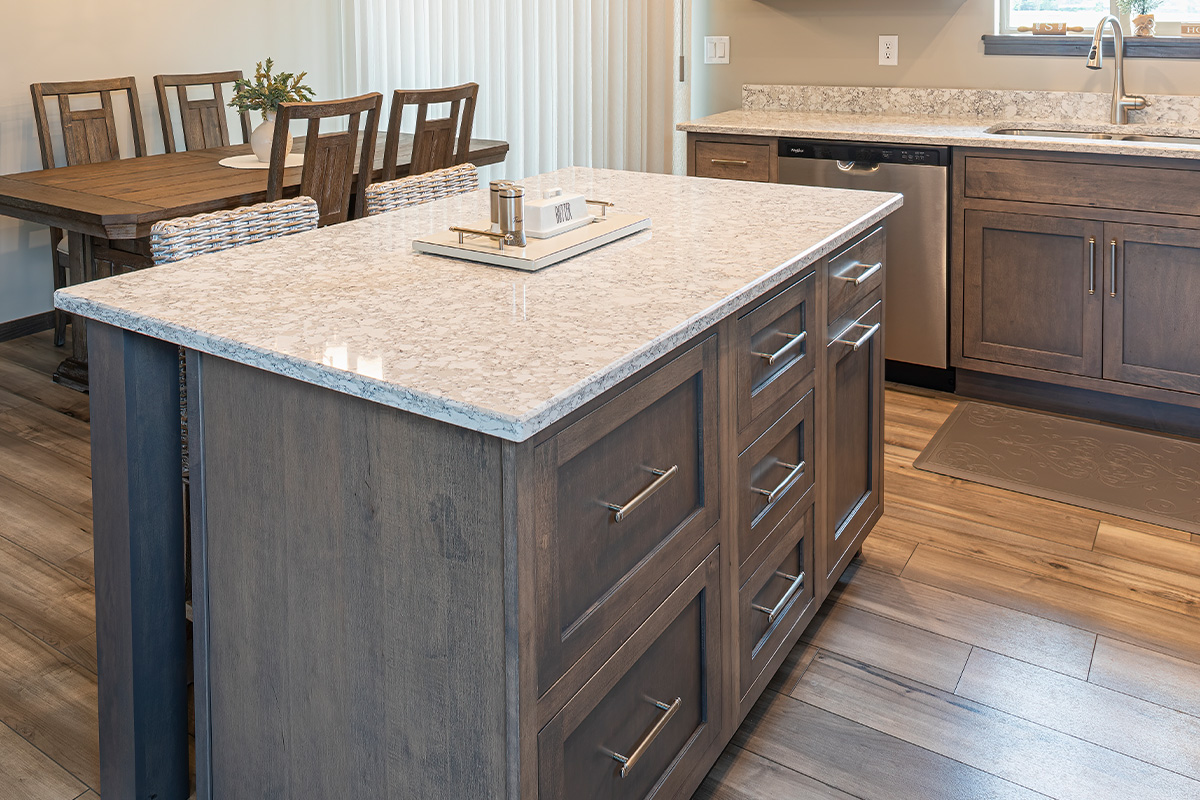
[113, 204]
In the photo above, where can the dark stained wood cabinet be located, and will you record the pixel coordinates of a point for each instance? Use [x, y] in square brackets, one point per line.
[1031, 291]
[1151, 304]
[1079, 271]
[587, 614]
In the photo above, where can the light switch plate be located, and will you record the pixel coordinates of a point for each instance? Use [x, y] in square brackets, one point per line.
[716, 49]
[889, 51]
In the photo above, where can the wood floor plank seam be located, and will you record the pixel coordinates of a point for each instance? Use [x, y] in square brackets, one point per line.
[974, 647]
[793, 769]
[52, 760]
[53, 647]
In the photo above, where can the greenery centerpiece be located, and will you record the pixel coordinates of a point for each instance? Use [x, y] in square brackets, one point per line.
[1141, 13]
[264, 92]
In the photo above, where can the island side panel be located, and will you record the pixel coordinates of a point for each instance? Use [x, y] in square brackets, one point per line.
[137, 506]
[356, 595]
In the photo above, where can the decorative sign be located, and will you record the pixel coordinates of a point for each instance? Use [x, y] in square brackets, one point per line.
[1190, 29]
[1050, 29]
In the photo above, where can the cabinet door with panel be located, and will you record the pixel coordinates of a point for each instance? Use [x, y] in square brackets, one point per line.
[1031, 291]
[854, 478]
[1152, 287]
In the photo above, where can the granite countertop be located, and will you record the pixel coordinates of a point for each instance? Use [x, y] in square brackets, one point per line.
[351, 307]
[954, 117]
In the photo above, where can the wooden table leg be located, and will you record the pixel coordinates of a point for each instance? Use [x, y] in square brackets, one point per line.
[137, 504]
[73, 371]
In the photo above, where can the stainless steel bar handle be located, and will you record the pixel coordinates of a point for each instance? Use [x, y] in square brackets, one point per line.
[795, 471]
[866, 337]
[645, 494]
[773, 613]
[731, 162]
[1112, 270]
[795, 340]
[500, 238]
[1092, 273]
[630, 761]
[863, 278]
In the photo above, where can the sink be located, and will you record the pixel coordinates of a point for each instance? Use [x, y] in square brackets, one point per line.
[1051, 134]
[1137, 137]
[1121, 137]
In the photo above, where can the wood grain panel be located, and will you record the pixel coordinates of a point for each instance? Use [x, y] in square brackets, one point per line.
[1030, 638]
[1001, 744]
[743, 162]
[1121, 723]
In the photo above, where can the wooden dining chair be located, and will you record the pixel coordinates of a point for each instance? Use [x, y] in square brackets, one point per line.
[89, 135]
[417, 189]
[202, 119]
[328, 173]
[183, 237]
[438, 142]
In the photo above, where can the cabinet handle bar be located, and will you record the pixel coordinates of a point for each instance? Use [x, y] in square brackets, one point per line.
[863, 278]
[796, 470]
[630, 761]
[733, 162]
[1092, 273]
[1112, 270]
[663, 477]
[866, 337]
[773, 613]
[795, 340]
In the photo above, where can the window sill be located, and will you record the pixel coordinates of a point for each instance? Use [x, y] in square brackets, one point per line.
[1078, 46]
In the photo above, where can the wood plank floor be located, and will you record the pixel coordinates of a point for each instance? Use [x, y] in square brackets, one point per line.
[985, 645]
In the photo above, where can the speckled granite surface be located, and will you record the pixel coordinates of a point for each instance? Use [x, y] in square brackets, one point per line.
[954, 117]
[353, 308]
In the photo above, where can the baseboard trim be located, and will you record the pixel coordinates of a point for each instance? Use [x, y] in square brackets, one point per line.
[16, 328]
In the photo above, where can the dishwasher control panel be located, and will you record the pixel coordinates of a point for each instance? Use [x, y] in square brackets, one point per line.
[862, 152]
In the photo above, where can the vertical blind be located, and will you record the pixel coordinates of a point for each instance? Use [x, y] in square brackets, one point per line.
[564, 82]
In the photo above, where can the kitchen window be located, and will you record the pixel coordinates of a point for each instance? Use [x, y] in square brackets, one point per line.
[1016, 14]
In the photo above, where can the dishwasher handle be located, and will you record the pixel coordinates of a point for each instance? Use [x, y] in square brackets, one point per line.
[859, 167]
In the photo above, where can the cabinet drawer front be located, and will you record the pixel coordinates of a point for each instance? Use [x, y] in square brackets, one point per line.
[744, 162]
[855, 478]
[656, 704]
[856, 272]
[774, 600]
[774, 355]
[1131, 188]
[774, 473]
[626, 491]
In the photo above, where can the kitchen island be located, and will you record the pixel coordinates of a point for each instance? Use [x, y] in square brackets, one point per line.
[459, 531]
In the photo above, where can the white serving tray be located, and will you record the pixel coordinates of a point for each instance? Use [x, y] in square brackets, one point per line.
[538, 253]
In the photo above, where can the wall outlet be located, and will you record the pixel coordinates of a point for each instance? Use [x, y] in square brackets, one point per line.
[889, 51]
[716, 49]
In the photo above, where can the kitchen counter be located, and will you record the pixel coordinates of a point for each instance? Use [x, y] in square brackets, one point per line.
[353, 308]
[950, 117]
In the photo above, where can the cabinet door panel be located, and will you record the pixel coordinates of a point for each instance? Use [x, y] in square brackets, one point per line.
[1150, 335]
[855, 473]
[1031, 291]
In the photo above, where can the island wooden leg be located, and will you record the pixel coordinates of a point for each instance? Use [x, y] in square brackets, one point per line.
[137, 503]
[73, 371]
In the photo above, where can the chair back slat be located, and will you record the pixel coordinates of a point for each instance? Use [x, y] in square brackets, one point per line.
[437, 143]
[89, 135]
[424, 188]
[329, 159]
[183, 237]
[202, 120]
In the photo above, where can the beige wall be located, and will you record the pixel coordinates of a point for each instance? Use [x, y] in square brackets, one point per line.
[49, 40]
[835, 42]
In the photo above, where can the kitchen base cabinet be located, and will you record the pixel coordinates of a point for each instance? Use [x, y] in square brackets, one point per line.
[586, 614]
[1078, 271]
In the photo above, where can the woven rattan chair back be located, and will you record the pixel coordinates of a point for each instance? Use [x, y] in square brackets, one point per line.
[329, 163]
[202, 119]
[437, 143]
[184, 237]
[404, 192]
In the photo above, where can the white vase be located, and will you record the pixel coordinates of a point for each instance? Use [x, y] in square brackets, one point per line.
[263, 136]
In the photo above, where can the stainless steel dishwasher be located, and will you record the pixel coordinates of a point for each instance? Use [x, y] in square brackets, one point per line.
[917, 306]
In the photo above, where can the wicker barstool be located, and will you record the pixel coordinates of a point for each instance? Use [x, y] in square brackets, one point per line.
[183, 237]
[423, 188]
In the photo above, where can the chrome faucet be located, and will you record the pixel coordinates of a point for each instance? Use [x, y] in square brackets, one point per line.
[1122, 103]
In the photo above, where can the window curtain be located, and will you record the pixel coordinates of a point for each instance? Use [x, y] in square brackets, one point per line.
[564, 82]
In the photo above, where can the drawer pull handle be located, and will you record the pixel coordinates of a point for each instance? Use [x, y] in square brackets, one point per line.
[866, 337]
[630, 761]
[773, 613]
[794, 475]
[861, 279]
[794, 341]
[731, 162]
[1092, 261]
[1112, 270]
[645, 494]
